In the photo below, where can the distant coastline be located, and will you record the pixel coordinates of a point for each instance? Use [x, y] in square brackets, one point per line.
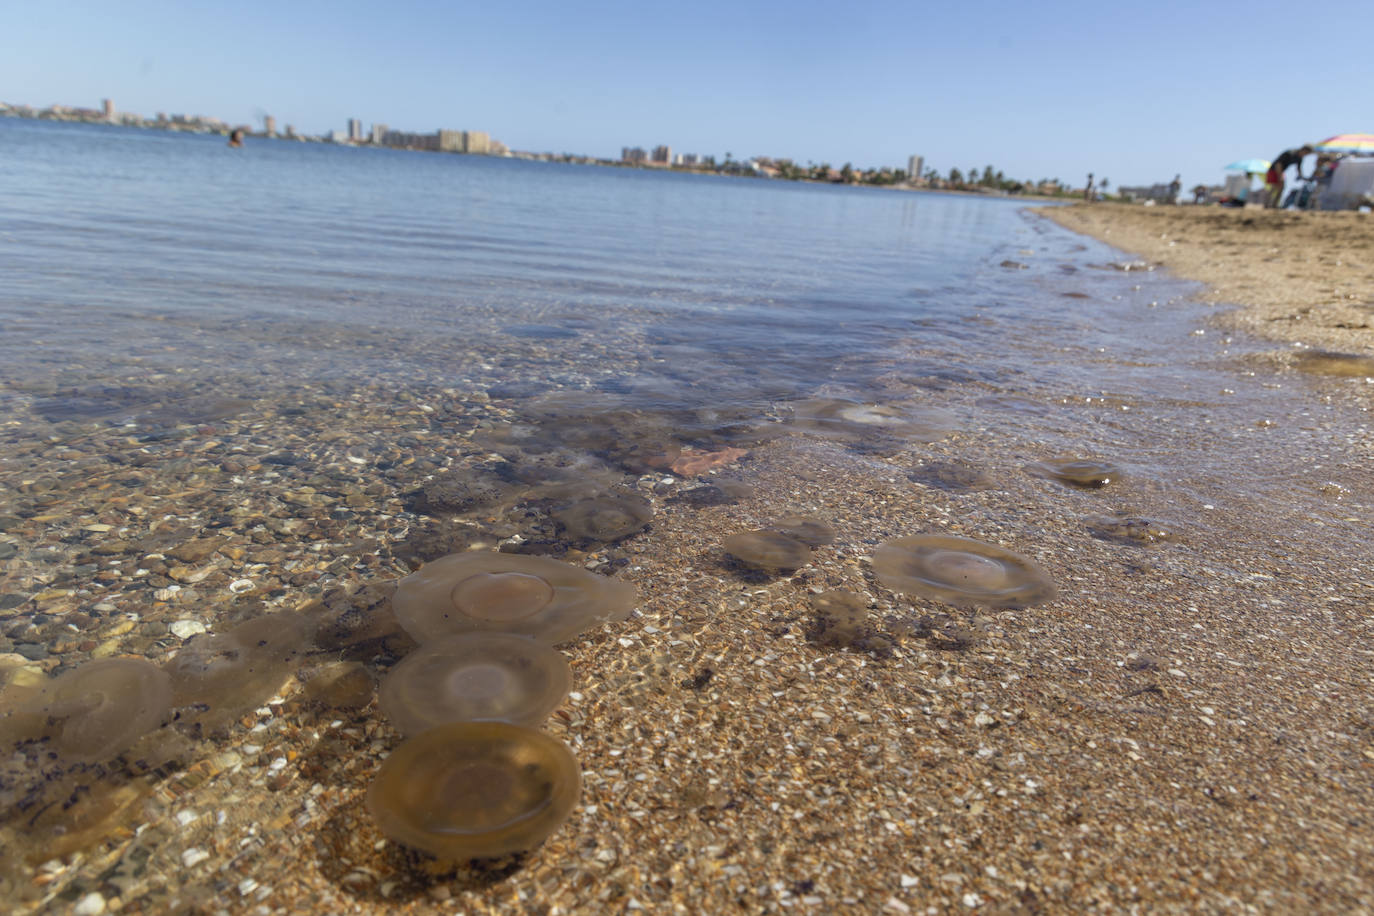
[479, 143]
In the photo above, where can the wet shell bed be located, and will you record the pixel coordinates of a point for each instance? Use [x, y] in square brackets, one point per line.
[1186, 727]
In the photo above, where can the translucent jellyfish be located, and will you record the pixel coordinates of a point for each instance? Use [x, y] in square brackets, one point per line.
[509, 593]
[471, 790]
[605, 517]
[1076, 472]
[96, 710]
[810, 531]
[769, 550]
[961, 571]
[845, 419]
[470, 676]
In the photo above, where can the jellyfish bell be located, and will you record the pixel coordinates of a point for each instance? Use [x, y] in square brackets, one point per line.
[810, 531]
[533, 596]
[841, 418]
[96, 710]
[605, 517]
[961, 571]
[472, 676]
[768, 550]
[470, 790]
[226, 673]
[1134, 529]
[1076, 472]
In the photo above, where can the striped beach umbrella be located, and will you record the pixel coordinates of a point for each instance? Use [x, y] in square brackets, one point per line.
[1346, 143]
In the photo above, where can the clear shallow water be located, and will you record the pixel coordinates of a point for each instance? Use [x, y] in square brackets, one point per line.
[292, 257]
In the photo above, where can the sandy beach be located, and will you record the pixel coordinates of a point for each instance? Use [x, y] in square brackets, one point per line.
[1185, 728]
[1284, 275]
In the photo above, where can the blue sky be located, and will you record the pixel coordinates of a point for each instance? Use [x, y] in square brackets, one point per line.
[1134, 93]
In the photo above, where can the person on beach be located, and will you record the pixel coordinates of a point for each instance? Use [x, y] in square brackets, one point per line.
[1273, 179]
[1199, 194]
[1088, 189]
[1175, 186]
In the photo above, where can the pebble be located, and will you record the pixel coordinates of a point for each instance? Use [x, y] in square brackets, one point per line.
[90, 905]
[185, 629]
[193, 857]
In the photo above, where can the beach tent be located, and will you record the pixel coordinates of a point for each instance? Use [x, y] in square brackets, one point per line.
[1351, 183]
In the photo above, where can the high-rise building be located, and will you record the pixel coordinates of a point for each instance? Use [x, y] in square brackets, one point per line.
[355, 130]
[451, 141]
[109, 109]
[476, 141]
[378, 134]
[269, 126]
[633, 154]
[915, 165]
[662, 155]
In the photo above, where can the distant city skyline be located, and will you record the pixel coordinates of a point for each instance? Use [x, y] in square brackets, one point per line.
[1135, 95]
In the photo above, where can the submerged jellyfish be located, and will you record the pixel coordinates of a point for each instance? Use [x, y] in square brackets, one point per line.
[605, 518]
[810, 531]
[961, 571]
[510, 593]
[470, 676]
[845, 419]
[1131, 529]
[96, 710]
[1076, 472]
[228, 673]
[768, 550]
[471, 790]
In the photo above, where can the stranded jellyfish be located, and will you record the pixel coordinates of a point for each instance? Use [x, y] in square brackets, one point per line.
[509, 593]
[472, 676]
[1076, 472]
[769, 550]
[845, 419]
[95, 711]
[471, 790]
[605, 518]
[960, 571]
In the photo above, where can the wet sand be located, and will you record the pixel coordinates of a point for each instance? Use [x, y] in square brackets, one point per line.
[1300, 277]
[1185, 728]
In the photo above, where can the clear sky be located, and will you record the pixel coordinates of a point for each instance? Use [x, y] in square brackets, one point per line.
[1132, 92]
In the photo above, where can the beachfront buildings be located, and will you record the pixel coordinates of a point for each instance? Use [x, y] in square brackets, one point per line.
[915, 167]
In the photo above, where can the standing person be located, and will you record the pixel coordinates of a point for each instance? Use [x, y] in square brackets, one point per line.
[1174, 187]
[1273, 179]
[1088, 188]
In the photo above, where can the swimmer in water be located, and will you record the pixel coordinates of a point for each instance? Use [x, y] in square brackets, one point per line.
[236, 137]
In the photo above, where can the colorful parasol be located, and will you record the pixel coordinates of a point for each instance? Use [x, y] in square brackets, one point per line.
[1347, 143]
[1249, 166]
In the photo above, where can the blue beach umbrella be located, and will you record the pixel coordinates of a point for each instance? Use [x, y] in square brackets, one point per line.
[1249, 166]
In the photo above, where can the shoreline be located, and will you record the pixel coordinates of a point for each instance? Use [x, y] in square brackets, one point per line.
[1290, 277]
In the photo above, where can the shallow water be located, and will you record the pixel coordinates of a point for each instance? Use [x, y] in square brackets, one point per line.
[324, 365]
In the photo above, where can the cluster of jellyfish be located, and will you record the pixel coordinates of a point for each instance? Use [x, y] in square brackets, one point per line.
[475, 777]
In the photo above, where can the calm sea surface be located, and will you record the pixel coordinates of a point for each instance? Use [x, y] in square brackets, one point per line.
[285, 260]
